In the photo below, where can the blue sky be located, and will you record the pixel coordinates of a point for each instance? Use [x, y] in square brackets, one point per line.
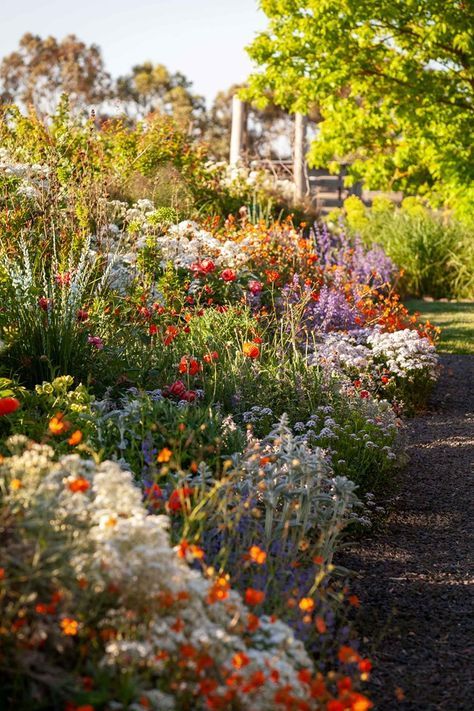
[204, 39]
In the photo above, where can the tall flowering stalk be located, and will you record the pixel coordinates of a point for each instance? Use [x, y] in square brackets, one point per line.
[46, 315]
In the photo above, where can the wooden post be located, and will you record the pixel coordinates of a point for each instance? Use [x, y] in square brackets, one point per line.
[299, 158]
[238, 130]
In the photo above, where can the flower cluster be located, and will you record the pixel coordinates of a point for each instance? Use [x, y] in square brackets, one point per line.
[182, 636]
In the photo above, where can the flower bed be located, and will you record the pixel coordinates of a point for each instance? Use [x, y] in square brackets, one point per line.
[194, 416]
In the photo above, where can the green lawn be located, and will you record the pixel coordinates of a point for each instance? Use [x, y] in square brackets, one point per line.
[455, 319]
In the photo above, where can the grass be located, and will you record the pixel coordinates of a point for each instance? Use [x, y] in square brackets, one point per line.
[456, 320]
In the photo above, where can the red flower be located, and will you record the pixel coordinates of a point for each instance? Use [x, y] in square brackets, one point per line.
[189, 365]
[176, 389]
[8, 405]
[189, 396]
[364, 394]
[254, 597]
[82, 315]
[206, 266]
[44, 303]
[272, 275]
[229, 275]
[178, 499]
[170, 334]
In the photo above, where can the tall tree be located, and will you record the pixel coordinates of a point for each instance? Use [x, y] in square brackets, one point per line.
[394, 80]
[42, 69]
[153, 88]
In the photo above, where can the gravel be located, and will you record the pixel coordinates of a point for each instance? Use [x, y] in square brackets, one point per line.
[415, 573]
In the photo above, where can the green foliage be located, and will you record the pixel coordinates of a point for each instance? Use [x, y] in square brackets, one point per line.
[434, 250]
[456, 321]
[394, 83]
[44, 320]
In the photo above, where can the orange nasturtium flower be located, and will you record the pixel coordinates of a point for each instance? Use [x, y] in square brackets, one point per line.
[219, 590]
[189, 550]
[79, 485]
[306, 604]
[58, 425]
[75, 438]
[69, 626]
[257, 555]
[164, 456]
[251, 350]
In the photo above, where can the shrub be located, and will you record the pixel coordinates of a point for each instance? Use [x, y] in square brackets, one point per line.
[434, 250]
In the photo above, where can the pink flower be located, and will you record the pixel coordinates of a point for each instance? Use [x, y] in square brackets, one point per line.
[63, 279]
[255, 287]
[96, 342]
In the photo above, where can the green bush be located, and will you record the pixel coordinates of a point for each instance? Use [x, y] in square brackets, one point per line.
[434, 251]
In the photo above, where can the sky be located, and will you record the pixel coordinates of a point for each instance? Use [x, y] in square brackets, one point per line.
[203, 39]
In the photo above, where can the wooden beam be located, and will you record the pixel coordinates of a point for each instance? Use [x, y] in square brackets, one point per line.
[299, 158]
[239, 120]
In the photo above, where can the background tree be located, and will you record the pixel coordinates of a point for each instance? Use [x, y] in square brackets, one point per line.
[42, 69]
[394, 80]
[153, 88]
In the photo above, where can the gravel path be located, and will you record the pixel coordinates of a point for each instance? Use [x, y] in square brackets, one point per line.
[416, 572]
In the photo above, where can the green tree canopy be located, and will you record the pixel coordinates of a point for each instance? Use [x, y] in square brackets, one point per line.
[394, 80]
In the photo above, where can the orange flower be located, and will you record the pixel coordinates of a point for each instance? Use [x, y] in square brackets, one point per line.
[69, 626]
[251, 350]
[75, 438]
[165, 455]
[347, 655]
[58, 425]
[219, 590]
[353, 600]
[240, 660]
[2, 573]
[189, 550]
[79, 485]
[257, 555]
[170, 334]
[254, 597]
[360, 702]
[15, 484]
[306, 604]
